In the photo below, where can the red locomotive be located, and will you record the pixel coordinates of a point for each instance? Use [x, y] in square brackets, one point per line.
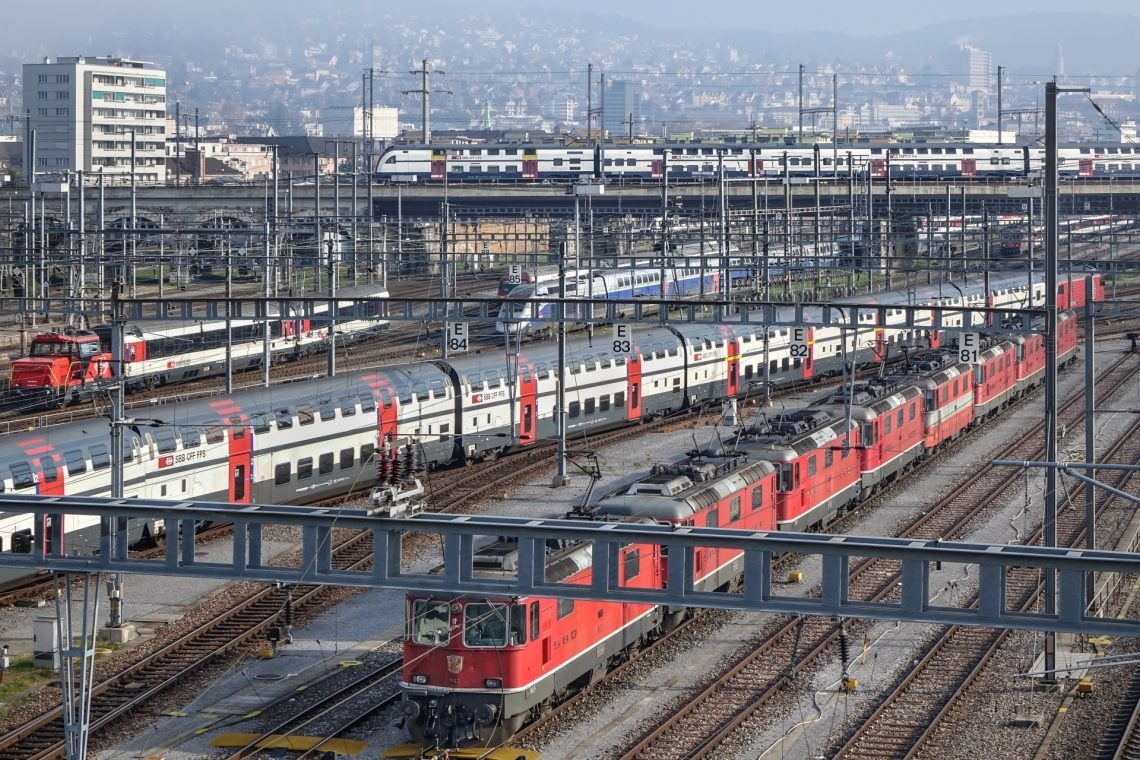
[478, 669]
[61, 366]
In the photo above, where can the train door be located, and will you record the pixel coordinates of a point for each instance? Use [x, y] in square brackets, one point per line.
[878, 167]
[530, 164]
[633, 381]
[1084, 167]
[241, 460]
[733, 380]
[756, 167]
[438, 164]
[51, 476]
[969, 167]
[655, 168]
[808, 365]
[880, 345]
[528, 405]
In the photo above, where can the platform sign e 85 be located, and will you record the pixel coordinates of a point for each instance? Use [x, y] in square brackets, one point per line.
[623, 339]
[514, 274]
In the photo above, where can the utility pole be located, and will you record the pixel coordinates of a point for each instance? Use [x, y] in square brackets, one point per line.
[425, 94]
[801, 91]
[589, 102]
[1001, 70]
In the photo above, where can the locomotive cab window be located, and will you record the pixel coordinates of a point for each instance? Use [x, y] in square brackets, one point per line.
[631, 564]
[484, 625]
[430, 623]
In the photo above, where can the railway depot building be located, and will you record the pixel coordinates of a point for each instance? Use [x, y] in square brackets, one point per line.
[83, 111]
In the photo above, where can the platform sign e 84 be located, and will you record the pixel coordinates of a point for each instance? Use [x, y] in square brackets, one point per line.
[623, 339]
[456, 337]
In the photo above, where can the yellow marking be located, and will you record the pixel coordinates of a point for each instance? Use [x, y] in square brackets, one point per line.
[431, 753]
[176, 713]
[1100, 641]
[253, 714]
[350, 663]
[1063, 710]
[292, 743]
[302, 687]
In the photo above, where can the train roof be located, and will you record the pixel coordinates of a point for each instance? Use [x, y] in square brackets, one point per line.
[787, 436]
[676, 492]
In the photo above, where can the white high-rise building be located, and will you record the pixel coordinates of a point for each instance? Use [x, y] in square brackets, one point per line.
[83, 112]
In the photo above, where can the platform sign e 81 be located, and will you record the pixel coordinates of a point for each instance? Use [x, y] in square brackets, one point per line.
[623, 339]
[969, 348]
[514, 274]
[457, 337]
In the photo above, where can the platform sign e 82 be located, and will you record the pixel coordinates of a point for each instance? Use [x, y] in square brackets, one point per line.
[623, 339]
[799, 343]
[457, 337]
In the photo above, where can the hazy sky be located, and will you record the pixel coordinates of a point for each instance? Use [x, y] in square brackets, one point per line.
[859, 18]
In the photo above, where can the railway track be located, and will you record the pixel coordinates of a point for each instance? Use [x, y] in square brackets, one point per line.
[1122, 740]
[911, 715]
[704, 720]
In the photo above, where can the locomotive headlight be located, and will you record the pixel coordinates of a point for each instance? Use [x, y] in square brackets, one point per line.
[493, 683]
[419, 679]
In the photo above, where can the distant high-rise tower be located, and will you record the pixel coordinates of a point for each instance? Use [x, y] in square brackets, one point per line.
[622, 102]
[84, 112]
[1060, 60]
[979, 69]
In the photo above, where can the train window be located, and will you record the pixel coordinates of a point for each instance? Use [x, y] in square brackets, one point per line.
[366, 452]
[284, 419]
[305, 414]
[886, 424]
[485, 625]
[76, 462]
[100, 459]
[305, 468]
[712, 519]
[430, 622]
[796, 363]
[191, 438]
[166, 439]
[589, 406]
[22, 475]
[565, 607]
[631, 564]
[811, 466]
[757, 497]
[867, 433]
[347, 458]
[828, 457]
[604, 403]
[49, 469]
[575, 409]
[619, 400]
[913, 409]
[902, 418]
[534, 627]
[214, 434]
[734, 509]
[237, 430]
[325, 463]
[282, 473]
[328, 411]
[260, 423]
[368, 402]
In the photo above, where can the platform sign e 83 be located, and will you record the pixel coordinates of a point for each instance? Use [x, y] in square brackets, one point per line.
[968, 348]
[514, 274]
[623, 339]
[457, 337]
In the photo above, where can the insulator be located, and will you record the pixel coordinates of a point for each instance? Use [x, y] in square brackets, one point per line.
[410, 464]
[383, 469]
[843, 648]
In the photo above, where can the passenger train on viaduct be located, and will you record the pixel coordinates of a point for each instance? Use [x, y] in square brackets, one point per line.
[538, 162]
